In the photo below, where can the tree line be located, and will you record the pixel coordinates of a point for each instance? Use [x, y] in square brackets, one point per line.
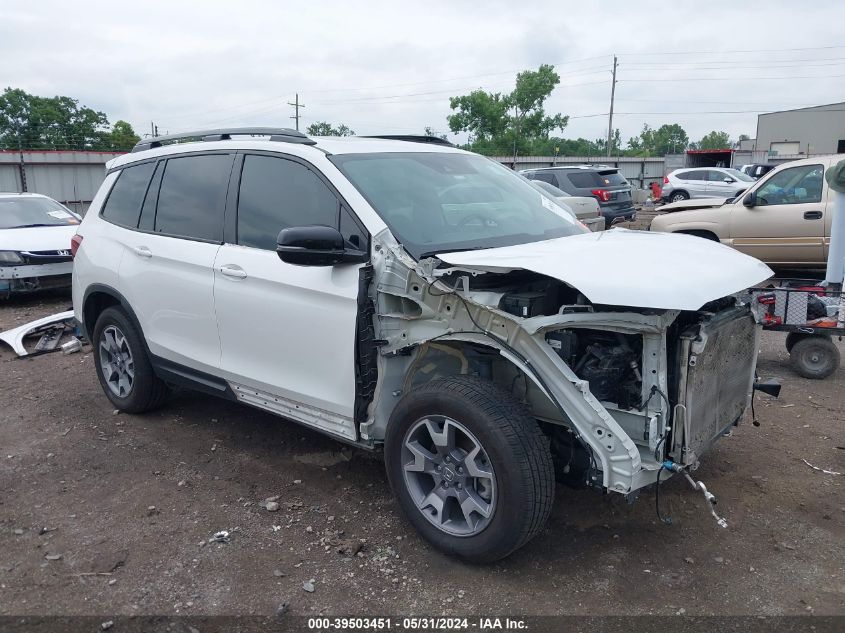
[28, 121]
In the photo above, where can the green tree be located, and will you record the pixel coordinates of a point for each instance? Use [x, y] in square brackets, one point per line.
[30, 121]
[715, 140]
[667, 139]
[430, 131]
[122, 137]
[323, 128]
[517, 121]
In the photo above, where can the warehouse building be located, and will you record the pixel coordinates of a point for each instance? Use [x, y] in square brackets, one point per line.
[815, 130]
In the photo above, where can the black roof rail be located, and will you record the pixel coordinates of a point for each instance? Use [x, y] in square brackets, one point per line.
[413, 138]
[281, 134]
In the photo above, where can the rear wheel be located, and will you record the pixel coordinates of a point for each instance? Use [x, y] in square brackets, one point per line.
[814, 357]
[123, 368]
[470, 467]
[678, 196]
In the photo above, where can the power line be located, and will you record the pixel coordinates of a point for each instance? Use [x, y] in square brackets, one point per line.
[754, 50]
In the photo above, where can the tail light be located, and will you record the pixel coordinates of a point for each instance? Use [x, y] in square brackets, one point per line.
[601, 194]
[75, 243]
[665, 180]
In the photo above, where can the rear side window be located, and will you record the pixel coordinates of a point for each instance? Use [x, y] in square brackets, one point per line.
[277, 193]
[192, 197]
[611, 177]
[583, 180]
[124, 202]
[544, 176]
[693, 175]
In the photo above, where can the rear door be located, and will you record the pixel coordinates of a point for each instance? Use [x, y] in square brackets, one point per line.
[787, 225]
[288, 332]
[167, 271]
[694, 182]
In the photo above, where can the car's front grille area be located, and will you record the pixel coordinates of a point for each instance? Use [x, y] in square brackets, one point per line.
[719, 377]
[46, 257]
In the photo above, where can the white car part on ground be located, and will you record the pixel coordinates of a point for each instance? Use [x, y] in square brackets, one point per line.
[14, 337]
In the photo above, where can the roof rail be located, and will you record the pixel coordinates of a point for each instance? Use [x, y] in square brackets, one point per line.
[281, 134]
[413, 138]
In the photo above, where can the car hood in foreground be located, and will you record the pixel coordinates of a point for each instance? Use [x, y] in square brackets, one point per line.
[38, 238]
[629, 268]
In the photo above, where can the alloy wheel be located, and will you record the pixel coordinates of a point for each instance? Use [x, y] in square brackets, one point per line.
[449, 475]
[116, 361]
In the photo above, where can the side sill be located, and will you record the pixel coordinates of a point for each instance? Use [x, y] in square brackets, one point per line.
[179, 375]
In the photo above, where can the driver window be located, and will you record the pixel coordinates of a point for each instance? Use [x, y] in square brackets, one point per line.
[796, 185]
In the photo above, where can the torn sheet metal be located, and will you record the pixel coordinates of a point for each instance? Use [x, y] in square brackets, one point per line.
[628, 268]
[14, 337]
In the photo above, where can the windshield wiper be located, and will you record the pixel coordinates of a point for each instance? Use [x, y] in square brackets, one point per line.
[29, 226]
[452, 250]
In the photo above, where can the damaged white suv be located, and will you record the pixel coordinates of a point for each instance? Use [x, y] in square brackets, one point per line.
[411, 296]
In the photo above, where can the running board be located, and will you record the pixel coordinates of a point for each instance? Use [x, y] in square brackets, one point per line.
[310, 416]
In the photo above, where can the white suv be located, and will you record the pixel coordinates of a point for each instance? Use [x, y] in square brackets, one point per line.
[420, 299]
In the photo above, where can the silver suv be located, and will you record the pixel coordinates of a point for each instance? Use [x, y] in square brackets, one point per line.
[420, 300]
[704, 182]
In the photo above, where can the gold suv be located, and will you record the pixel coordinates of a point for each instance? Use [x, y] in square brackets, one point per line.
[783, 219]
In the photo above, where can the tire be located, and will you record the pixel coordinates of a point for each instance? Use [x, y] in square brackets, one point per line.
[513, 452]
[123, 367]
[678, 196]
[792, 338]
[814, 357]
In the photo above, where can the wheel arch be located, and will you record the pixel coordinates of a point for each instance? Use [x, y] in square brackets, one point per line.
[97, 298]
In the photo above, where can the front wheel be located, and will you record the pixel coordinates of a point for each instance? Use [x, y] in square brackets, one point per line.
[470, 467]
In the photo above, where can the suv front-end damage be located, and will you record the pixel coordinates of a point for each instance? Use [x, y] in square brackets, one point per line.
[620, 391]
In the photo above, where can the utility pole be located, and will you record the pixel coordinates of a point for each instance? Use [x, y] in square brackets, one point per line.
[22, 166]
[610, 118]
[153, 129]
[296, 106]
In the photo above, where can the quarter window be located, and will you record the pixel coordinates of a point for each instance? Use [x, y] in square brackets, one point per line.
[277, 193]
[127, 195]
[796, 185]
[192, 197]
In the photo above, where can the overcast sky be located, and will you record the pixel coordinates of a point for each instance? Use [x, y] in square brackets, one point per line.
[391, 67]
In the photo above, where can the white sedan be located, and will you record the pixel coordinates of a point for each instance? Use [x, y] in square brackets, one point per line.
[35, 234]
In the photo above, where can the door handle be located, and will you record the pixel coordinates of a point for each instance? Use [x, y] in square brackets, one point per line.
[812, 215]
[230, 270]
[143, 251]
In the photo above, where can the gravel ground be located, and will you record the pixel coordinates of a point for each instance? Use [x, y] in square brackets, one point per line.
[112, 514]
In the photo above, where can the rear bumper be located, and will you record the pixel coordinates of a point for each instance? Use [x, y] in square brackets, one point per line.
[625, 213]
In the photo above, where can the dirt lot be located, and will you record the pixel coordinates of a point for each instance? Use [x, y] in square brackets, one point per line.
[129, 504]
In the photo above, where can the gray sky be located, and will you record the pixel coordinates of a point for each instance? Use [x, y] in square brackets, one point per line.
[390, 67]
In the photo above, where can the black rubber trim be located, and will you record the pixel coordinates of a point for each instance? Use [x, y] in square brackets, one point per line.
[176, 374]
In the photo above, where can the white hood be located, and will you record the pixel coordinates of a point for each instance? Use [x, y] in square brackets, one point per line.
[38, 238]
[629, 268]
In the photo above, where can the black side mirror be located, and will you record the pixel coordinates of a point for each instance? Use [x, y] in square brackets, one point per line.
[728, 179]
[750, 199]
[316, 246]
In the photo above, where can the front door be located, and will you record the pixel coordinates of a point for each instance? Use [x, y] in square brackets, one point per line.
[287, 332]
[786, 226]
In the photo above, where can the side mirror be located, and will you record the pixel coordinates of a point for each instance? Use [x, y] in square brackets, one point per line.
[316, 246]
[728, 179]
[750, 200]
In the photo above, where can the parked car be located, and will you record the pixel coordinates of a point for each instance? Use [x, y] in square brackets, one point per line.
[783, 219]
[601, 182]
[35, 233]
[419, 299]
[705, 182]
[586, 210]
[756, 170]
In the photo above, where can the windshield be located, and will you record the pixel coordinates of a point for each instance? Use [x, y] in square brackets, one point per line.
[22, 212]
[739, 175]
[436, 202]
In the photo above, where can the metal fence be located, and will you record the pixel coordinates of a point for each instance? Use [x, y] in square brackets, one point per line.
[72, 178]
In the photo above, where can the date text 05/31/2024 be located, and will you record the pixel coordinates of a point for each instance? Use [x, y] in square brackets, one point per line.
[416, 623]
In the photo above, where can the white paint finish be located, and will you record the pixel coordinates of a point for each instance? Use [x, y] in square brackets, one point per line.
[38, 238]
[172, 293]
[629, 268]
[14, 337]
[288, 330]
